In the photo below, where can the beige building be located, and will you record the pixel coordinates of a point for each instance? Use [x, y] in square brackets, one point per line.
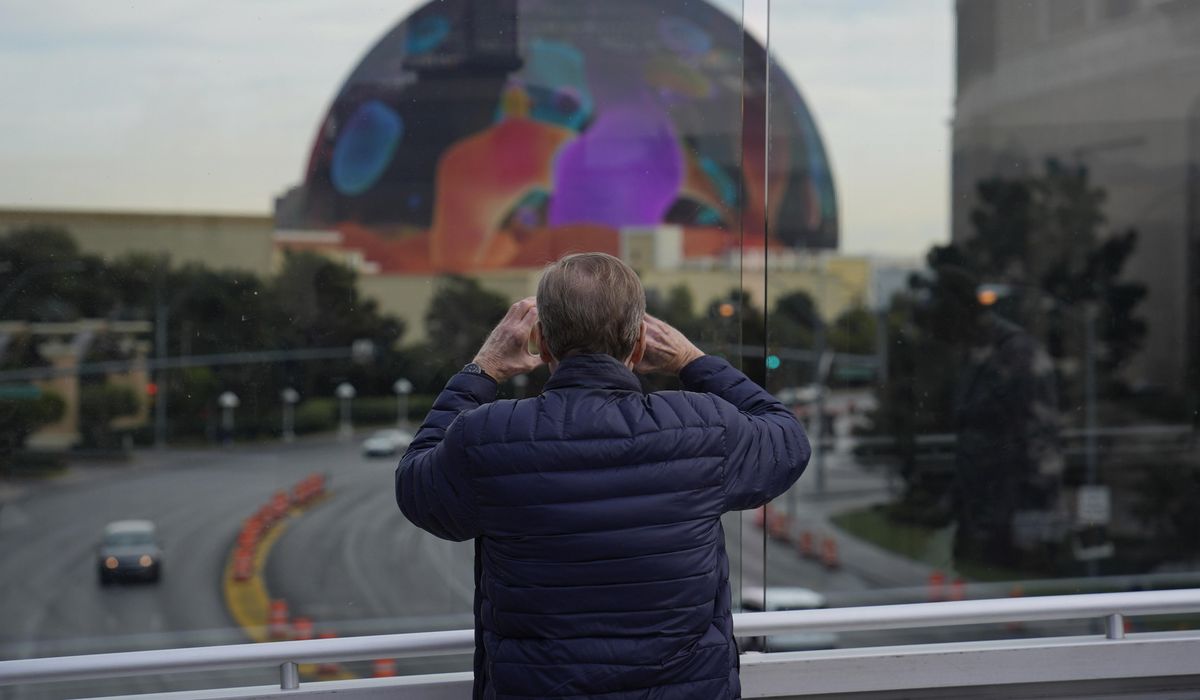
[251, 243]
[241, 241]
[844, 285]
[64, 346]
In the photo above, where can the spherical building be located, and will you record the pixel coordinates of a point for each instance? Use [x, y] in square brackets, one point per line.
[485, 134]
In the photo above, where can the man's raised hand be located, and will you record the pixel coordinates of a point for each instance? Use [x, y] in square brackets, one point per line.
[505, 353]
[667, 350]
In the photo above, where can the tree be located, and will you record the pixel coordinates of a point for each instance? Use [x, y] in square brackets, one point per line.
[1165, 501]
[675, 308]
[459, 318]
[733, 319]
[99, 405]
[20, 418]
[45, 277]
[319, 305]
[853, 331]
[1044, 238]
[795, 321]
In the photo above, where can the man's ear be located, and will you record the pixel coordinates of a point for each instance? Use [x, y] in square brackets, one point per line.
[639, 346]
[540, 341]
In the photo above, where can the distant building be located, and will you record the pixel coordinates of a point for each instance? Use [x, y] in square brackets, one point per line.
[241, 241]
[63, 347]
[1113, 85]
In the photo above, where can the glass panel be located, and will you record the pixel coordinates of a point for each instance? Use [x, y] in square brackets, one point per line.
[227, 300]
[1009, 403]
[991, 330]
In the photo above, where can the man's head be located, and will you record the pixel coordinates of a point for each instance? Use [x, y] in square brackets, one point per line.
[590, 303]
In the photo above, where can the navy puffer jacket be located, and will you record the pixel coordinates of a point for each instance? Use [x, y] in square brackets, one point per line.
[600, 559]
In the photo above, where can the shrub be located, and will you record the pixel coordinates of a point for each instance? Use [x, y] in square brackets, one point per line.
[20, 418]
[1166, 501]
[99, 404]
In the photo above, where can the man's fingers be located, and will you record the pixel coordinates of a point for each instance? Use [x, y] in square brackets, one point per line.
[530, 310]
[520, 308]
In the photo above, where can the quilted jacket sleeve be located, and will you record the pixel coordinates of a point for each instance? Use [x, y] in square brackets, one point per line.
[432, 484]
[765, 445]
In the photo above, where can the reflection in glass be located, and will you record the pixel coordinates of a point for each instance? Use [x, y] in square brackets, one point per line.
[991, 330]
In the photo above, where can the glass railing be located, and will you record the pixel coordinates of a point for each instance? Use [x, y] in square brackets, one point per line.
[240, 253]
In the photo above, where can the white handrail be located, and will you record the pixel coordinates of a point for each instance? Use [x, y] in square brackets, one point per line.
[970, 612]
[1106, 606]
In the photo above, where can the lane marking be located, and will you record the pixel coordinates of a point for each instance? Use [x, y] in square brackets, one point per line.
[249, 602]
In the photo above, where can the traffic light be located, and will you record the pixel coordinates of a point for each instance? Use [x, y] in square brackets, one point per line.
[773, 362]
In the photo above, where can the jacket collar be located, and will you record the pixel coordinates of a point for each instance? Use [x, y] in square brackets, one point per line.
[597, 371]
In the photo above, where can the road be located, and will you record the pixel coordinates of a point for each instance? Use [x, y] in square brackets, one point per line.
[351, 563]
[50, 600]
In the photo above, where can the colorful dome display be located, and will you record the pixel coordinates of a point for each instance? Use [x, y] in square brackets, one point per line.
[482, 134]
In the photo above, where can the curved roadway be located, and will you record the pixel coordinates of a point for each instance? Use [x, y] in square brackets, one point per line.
[351, 563]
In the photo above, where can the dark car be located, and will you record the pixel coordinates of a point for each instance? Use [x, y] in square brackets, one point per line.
[128, 550]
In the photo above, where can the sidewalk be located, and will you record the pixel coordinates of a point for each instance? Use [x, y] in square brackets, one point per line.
[849, 486]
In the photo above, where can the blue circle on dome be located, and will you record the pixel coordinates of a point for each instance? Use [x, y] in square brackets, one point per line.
[365, 147]
[426, 33]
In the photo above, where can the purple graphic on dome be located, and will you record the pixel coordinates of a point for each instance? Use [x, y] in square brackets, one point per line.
[365, 147]
[626, 170]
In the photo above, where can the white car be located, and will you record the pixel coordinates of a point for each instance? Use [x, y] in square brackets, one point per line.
[785, 598]
[384, 443]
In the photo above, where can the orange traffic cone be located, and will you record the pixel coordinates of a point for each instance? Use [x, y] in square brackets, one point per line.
[277, 620]
[779, 526]
[326, 669]
[302, 628]
[937, 585]
[829, 553]
[1015, 592]
[243, 564]
[804, 544]
[383, 668]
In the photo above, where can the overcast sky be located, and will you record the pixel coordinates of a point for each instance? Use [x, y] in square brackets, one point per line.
[211, 105]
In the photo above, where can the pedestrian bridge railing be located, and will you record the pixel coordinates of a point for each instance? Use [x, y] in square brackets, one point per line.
[1112, 663]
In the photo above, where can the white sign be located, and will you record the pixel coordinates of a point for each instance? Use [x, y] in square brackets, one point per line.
[1097, 552]
[1093, 505]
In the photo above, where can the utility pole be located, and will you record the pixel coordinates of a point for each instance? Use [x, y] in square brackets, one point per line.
[160, 352]
[1089, 403]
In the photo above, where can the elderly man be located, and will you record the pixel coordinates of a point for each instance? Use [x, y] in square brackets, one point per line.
[600, 564]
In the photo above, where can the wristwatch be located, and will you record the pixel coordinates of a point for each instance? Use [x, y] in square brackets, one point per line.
[473, 368]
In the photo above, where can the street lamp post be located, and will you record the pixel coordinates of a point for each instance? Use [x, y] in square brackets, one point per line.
[228, 401]
[289, 396]
[346, 393]
[402, 388]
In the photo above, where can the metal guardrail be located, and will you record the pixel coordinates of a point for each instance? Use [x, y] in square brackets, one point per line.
[1110, 607]
[1122, 438]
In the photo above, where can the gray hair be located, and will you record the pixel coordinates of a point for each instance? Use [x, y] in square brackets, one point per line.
[590, 303]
